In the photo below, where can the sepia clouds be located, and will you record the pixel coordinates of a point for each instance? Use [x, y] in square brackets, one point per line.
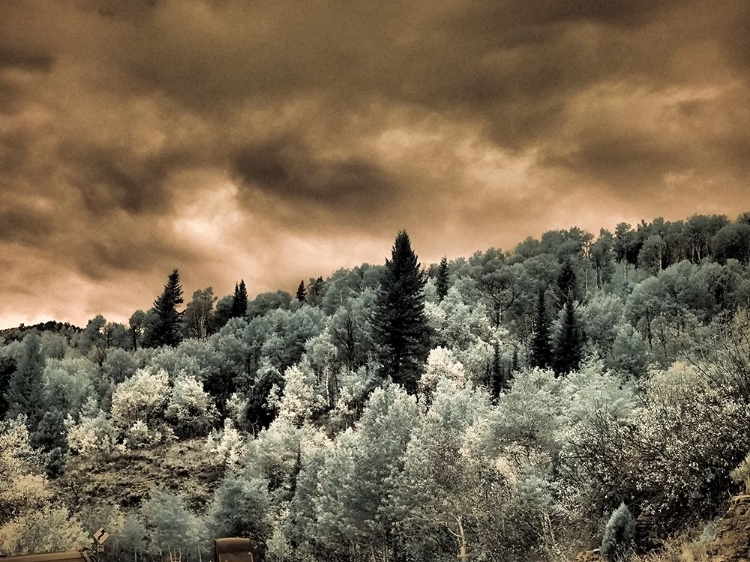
[284, 140]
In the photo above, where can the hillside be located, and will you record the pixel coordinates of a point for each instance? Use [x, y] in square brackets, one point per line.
[503, 405]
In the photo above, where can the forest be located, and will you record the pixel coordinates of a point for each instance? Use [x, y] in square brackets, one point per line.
[576, 392]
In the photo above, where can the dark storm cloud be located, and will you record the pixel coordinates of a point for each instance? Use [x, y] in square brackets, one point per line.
[288, 171]
[218, 135]
[34, 61]
[115, 178]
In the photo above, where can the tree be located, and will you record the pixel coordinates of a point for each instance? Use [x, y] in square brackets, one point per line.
[601, 257]
[541, 348]
[442, 279]
[569, 342]
[301, 291]
[239, 302]
[198, 317]
[499, 290]
[165, 330]
[399, 316]
[497, 380]
[619, 535]
[567, 283]
[25, 394]
[136, 325]
[732, 241]
[315, 290]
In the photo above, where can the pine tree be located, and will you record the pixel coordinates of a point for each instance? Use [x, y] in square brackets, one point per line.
[541, 348]
[569, 342]
[239, 301]
[25, 395]
[399, 316]
[301, 291]
[442, 279]
[498, 379]
[567, 282]
[165, 329]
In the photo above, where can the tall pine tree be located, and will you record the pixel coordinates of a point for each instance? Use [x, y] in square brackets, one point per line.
[239, 301]
[442, 279]
[165, 329]
[497, 380]
[541, 346]
[399, 316]
[25, 395]
[569, 342]
[301, 291]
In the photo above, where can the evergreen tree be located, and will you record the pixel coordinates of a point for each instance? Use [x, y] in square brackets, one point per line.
[498, 379]
[165, 328]
[239, 302]
[25, 395]
[399, 316]
[541, 348]
[7, 368]
[442, 279]
[566, 281]
[569, 342]
[301, 291]
[315, 289]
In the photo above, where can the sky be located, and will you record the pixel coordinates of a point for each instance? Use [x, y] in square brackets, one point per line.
[278, 141]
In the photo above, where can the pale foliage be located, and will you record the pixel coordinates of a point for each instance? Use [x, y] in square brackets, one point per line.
[93, 434]
[47, 530]
[191, 409]
[143, 397]
[227, 446]
[23, 486]
[441, 363]
[300, 399]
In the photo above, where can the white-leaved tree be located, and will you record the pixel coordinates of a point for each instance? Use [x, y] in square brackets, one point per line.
[301, 398]
[227, 446]
[191, 410]
[30, 520]
[139, 408]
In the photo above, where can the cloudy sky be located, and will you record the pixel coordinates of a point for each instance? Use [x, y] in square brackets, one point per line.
[275, 141]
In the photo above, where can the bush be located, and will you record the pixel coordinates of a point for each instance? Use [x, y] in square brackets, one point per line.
[619, 535]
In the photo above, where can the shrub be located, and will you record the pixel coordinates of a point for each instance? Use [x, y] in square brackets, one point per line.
[619, 535]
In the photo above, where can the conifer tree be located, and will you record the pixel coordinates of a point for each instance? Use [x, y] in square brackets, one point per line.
[239, 301]
[567, 281]
[400, 318]
[442, 279]
[569, 342]
[498, 380]
[301, 291]
[541, 347]
[25, 395]
[165, 329]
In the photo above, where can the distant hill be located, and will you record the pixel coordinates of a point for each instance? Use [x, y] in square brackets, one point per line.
[17, 333]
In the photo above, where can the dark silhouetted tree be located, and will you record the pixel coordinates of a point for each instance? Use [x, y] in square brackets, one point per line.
[399, 316]
[567, 283]
[732, 241]
[441, 283]
[7, 368]
[315, 291]
[541, 346]
[239, 301]
[222, 313]
[497, 379]
[301, 291]
[165, 327]
[135, 326]
[569, 342]
[25, 395]
[198, 318]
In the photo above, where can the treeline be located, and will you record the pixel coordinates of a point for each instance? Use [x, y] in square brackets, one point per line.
[501, 404]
